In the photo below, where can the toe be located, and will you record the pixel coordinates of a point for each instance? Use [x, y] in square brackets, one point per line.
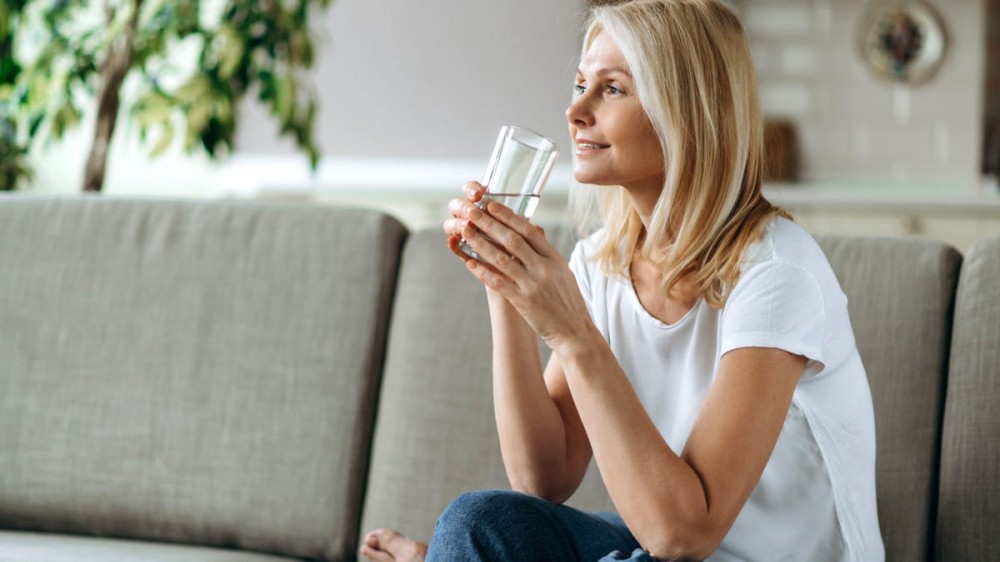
[376, 555]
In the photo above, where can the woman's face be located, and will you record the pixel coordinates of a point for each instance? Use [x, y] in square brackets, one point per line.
[615, 143]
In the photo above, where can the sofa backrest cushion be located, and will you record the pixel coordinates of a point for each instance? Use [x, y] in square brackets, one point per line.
[435, 436]
[969, 505]
[900, 295]
[200, 372]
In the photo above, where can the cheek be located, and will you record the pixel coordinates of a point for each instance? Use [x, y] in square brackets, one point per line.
[651, 149]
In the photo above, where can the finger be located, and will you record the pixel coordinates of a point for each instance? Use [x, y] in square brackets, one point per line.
[504, 235]
[493, 256]
[473, 190]
[530, 233]
[492, 279]
[454, 227]
[463, 208]
[455, 245]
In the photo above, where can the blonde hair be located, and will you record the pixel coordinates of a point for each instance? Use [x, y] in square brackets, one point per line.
[695, 80]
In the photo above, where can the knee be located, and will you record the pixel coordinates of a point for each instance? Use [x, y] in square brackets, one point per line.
[498, 525]
[493, 510]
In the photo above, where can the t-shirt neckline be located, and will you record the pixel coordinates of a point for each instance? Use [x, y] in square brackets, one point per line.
[647, 317]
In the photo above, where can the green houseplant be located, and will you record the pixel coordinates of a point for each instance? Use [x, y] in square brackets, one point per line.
[134, 58]
[14, 168]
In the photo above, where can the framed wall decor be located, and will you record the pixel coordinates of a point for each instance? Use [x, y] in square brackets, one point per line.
[901, 41]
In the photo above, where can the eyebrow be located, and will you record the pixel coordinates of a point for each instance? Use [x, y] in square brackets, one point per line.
[608, 70]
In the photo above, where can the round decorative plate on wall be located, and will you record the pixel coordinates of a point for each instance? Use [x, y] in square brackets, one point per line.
[901, 41]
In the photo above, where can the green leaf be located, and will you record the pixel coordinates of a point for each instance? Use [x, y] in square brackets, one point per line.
[232, 52]
[166, 138]
[193, 90]
[284, 99]
[197, 117]
[64, 119]
[34, 124]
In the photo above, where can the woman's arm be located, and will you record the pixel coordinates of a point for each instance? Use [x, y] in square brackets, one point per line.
[679, 506]
[543, 442]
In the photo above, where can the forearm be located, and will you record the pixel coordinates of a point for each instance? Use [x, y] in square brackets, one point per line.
[659, 495]
[532, 431]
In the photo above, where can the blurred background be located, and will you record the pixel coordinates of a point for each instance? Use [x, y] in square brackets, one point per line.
[411, 96]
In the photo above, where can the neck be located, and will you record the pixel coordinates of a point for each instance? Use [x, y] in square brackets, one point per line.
[644, 197]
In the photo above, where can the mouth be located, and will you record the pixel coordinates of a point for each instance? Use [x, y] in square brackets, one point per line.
[585, 146]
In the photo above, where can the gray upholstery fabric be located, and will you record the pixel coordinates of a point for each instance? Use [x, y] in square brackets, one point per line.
[199, 372]
[900, 299]
[44, 547]
[969, 505]
[435, 435]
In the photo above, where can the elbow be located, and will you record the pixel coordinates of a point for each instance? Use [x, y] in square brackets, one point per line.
[680, 552]
[546, 490]
[684, 542]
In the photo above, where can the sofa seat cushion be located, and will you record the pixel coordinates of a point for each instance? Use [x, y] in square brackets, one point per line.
[18, 546]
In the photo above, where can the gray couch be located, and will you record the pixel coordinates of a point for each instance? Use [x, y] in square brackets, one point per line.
[232, 381]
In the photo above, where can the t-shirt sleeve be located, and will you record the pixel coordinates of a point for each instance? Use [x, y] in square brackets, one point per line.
[778, 305]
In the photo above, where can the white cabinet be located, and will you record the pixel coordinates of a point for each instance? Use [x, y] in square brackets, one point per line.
[957, 217]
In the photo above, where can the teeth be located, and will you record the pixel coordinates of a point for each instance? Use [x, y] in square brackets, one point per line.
[584, 145]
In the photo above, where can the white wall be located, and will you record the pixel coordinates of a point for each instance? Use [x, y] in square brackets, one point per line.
[436, 78]
[853, 126]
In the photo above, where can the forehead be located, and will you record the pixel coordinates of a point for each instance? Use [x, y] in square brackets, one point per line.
[603, 53]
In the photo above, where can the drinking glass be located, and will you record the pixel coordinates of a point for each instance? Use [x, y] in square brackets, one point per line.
[521, 162]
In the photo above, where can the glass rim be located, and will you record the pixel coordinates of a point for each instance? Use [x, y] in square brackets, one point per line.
[530, 136]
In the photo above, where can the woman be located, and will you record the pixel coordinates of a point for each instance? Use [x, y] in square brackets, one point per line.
[701, 348]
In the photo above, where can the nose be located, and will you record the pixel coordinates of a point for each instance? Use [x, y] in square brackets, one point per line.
[579, 113]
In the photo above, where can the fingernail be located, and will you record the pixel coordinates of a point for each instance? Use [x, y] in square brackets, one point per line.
[494, 207]
[475, 214]
[472, 264]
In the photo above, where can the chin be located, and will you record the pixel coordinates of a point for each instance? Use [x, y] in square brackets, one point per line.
[588, 177]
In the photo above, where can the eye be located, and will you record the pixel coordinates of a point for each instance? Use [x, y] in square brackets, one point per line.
[579, 89]
[614, 90]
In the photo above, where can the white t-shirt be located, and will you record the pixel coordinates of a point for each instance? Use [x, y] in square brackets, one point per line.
[816, 498]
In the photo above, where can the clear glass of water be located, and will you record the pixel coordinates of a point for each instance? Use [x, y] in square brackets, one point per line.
[521, 163]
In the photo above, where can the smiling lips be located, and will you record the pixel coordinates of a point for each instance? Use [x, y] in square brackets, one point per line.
[584, 146]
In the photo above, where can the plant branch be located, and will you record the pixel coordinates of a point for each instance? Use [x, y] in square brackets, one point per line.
[113, 71]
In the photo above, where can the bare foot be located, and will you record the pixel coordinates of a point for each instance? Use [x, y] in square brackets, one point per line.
[386, 545]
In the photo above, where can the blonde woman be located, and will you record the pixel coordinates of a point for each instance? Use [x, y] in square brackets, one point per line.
[701, 348]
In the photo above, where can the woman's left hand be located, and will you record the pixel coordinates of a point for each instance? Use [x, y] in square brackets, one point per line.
[519, 263]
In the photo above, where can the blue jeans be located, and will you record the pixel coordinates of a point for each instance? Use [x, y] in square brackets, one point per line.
[504, 526]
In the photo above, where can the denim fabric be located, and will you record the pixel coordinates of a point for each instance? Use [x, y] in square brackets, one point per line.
[638, 555]
[500, 525]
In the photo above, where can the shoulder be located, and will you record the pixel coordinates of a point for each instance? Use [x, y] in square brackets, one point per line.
[783, 240]
[786, 259]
